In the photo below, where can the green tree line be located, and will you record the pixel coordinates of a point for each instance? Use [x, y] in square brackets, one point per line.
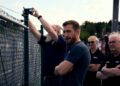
[90, 28]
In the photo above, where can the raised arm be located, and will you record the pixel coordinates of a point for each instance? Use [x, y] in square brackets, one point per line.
[34, 30]
[46, 25]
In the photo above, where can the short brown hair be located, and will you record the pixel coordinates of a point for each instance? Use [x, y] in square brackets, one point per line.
[74, 23]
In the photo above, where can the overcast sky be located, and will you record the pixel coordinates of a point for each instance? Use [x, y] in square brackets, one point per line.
[58, 11]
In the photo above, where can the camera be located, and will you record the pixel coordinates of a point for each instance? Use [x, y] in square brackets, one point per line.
[28, 11]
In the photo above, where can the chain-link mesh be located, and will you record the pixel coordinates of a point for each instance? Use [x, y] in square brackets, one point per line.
[34, 62]
[12, 56]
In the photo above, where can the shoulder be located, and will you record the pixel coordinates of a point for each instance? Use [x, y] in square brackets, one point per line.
[61, 40]
[78, 52]
[81, 46]
[60, 37]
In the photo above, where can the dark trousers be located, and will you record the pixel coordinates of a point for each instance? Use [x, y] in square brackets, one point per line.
[91, 80]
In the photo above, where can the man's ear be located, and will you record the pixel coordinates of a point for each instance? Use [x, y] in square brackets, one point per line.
[77, 31]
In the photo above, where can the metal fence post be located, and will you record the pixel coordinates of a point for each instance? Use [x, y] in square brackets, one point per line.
[115, 25]
[42, 32]
[26, 50]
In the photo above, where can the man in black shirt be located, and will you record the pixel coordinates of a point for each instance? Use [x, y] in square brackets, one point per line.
[110, 73]
[96, 59]
[53, 50]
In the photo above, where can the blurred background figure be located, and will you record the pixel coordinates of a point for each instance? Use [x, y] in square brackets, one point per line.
[110, 72]
[96, 60]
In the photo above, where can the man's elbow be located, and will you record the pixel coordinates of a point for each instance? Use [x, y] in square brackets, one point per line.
[100, 75]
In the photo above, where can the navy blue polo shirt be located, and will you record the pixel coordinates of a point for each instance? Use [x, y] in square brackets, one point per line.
[78, 55]
[53, 53]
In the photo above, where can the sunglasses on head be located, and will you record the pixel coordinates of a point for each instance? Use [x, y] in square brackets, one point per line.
[90, 42]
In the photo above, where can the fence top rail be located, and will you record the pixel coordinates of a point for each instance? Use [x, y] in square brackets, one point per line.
[6, 16]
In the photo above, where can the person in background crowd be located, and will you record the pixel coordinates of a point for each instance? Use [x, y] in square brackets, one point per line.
[75, 64]
[96, 59]
[110, 73]
[53, 49]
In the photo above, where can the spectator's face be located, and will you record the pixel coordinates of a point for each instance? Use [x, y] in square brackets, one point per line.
[114, 44]
[69, 34]
[92, 43]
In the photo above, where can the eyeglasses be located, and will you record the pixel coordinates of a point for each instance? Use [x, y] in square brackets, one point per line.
[90, 42]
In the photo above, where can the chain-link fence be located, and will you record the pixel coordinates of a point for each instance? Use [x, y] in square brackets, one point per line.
[34, 62]
[12, 55]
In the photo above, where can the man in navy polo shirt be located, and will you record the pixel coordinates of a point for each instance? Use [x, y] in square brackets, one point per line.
[75, 64]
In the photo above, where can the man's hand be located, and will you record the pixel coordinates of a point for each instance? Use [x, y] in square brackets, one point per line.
[118, 66]
[35, 13]
[101, 75]
[56, 70]
[104, 69]
[63, 68]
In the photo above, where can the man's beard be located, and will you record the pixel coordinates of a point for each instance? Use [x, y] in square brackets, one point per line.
[70, 41]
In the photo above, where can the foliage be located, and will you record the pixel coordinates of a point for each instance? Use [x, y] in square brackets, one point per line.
[90, 28]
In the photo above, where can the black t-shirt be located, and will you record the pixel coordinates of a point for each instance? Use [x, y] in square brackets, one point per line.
[111, 63]
[78, 55]
[53, 53]
[97, 57]
[90, 79]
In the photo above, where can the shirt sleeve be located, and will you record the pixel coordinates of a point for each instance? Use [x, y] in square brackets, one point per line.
[74, 55]
[42, 40]
[60, 42]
